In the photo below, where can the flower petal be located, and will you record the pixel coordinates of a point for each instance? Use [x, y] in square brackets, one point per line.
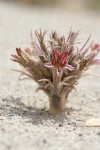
[19, 52]
[59, 73]
[28, 51]
[63, 57]
[95, 62]
[55, 56]
[69, 67]
[96, 46]
[14, 58]
[49, 65]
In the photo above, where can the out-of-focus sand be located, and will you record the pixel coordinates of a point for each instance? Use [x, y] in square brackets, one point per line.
[22, 128]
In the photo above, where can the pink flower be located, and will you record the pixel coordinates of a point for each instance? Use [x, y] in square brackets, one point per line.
[96, 47]
[59, 61]
[29, 52]
[95, 50]
[19, 54]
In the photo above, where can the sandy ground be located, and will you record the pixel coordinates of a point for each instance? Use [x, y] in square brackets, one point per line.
[25, 123]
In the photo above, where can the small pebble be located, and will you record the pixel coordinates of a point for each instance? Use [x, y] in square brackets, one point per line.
[93, 122]
[80, 134]
[60, 125]
[44, 141]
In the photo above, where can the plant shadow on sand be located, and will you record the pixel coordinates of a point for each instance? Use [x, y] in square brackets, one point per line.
[14, 107]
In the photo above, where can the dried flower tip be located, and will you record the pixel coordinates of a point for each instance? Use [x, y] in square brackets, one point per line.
[19, 52]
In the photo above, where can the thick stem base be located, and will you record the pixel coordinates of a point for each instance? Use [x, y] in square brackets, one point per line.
[57, 104]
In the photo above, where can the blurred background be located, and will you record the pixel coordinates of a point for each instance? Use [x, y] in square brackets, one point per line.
[90, 4]
[68, 11]
[52, 14]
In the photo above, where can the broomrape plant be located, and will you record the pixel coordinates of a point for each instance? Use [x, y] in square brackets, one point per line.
[56, 65]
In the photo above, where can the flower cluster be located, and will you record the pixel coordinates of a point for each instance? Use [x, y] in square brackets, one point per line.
[57, 64]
